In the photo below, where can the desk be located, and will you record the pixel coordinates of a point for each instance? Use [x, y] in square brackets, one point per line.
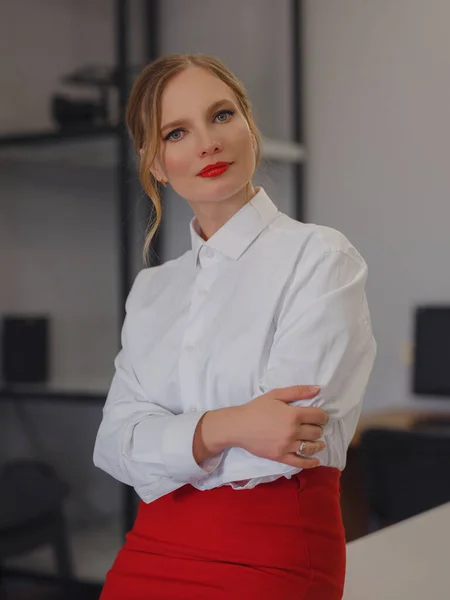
[407, 561]
[405, 419]
[355, 510]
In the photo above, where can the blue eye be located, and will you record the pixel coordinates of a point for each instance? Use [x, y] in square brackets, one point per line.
[229, 113]
[171, 134]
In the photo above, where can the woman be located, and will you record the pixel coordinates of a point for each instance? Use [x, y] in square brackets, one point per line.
[209, 416]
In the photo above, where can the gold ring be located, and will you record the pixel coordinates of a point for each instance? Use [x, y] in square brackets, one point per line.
[302, 448]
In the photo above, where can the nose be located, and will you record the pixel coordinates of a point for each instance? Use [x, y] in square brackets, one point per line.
[210, 149]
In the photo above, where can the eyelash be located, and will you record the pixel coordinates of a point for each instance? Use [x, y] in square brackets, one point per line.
[228, 111]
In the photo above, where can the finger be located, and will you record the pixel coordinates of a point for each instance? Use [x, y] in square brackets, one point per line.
[309, 433]
[296, 392]
[300, 462]
[310, 414]
[308, 448]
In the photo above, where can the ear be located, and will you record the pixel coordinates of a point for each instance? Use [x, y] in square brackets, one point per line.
[156, 170]
[158, 174]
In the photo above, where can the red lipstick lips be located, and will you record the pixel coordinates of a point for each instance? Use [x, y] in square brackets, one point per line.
[215, 169]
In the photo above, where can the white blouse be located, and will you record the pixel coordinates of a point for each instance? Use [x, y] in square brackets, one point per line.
[266, 302]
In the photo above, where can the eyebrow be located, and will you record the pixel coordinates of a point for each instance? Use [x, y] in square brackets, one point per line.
[179, 122]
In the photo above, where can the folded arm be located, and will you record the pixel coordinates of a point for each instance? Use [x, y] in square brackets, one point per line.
[324, 337]
[141, 443]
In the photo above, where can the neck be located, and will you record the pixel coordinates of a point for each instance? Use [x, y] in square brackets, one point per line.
[210, 217]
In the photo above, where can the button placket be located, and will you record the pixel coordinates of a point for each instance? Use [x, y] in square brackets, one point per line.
[206, 277]
[195, 329]
[188, 361]
[188, 380]
[207, 257]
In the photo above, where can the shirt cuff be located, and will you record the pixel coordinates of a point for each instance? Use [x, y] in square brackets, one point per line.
[177, 449]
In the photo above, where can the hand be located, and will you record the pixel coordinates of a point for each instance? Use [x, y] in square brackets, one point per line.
[268, 427]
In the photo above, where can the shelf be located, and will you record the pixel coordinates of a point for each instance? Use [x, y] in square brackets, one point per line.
[99, 151]
[10, 140]
[283, 151]
[92, 391]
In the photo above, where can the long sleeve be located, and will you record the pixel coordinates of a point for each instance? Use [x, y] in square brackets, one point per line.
[324, 337]
[139, 442]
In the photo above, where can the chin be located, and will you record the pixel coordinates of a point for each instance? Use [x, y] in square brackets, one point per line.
[221, 188]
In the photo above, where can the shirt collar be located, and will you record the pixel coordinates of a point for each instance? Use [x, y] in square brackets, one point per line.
[236, 235]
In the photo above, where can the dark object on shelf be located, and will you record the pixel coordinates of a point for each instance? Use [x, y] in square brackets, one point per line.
[405, 472]
[431, 373]
[31, 513]
[71, 113]
[25, 349]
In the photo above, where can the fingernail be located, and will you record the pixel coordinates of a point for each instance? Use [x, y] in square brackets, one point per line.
[314, 388]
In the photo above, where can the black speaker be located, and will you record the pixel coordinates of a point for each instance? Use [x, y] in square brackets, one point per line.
[25, 349]
[431, 372]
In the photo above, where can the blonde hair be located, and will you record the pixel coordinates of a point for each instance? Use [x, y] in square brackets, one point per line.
[143, 117]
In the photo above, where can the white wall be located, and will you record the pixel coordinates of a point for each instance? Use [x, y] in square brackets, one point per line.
[377, 97]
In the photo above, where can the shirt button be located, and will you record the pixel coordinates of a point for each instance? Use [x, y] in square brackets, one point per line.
[190, 347]
[203, 293]
[209, 252]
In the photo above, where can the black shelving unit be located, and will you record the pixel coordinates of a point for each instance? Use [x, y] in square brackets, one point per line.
[124, 176]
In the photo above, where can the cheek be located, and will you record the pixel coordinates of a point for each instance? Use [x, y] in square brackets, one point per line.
[176, 161]
[243, 142]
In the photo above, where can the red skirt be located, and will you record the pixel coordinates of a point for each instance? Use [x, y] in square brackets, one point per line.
[282, 540]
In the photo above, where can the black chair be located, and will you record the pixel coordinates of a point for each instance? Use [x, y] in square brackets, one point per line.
[405, 472]
[32, 515]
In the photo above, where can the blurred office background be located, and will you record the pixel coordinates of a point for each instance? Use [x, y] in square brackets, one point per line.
[356, 139]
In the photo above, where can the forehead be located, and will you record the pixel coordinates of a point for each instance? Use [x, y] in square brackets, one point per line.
[192, 89]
